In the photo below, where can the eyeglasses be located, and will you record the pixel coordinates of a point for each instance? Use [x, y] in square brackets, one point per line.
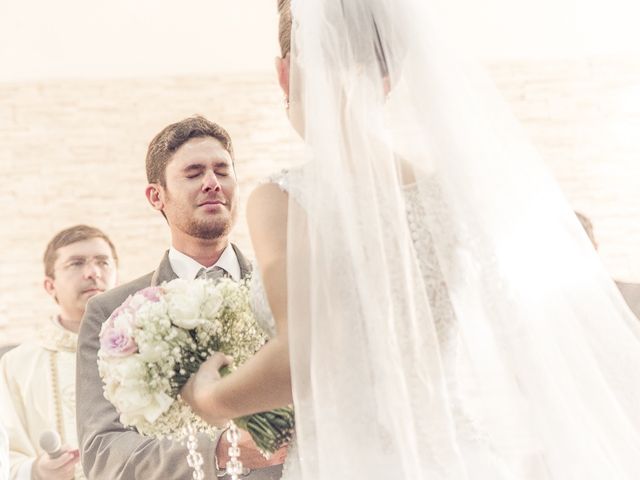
[78, 263]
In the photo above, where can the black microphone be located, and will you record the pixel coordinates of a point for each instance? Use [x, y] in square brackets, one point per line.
[50, 443]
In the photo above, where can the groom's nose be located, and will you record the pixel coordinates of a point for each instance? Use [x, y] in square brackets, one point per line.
[210, 182]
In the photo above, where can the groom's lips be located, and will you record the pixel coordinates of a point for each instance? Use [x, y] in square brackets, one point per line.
[211, 202]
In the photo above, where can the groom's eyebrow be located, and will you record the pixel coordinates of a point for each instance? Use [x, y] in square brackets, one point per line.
[222, 164]
[202, 165]
[194, 166]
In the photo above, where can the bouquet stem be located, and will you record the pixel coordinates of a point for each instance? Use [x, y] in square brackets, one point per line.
[270, 430]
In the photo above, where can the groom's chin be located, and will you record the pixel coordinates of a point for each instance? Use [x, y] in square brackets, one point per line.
[210, 230]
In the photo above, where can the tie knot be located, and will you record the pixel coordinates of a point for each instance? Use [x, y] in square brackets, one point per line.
[211, 273]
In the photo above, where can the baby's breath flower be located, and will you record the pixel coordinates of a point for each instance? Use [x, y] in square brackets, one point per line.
[176, 327]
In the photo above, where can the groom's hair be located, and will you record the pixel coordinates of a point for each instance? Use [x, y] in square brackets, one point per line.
[70, 235]
[172, 137]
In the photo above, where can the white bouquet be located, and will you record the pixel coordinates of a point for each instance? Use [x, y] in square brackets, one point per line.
[159, 337]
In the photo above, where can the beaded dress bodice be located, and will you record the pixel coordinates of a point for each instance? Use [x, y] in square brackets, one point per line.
[437, 293]
[425, 252]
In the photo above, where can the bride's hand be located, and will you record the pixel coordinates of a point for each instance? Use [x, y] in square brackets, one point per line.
[199, 389]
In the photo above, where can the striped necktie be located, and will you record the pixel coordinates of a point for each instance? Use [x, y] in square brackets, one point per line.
[212, 273]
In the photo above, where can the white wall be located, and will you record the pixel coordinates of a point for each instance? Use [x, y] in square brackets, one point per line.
[112, 38]
[516, 29]
[41, 39]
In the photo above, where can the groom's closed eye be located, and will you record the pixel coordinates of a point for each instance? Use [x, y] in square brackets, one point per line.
[193, 171]
[222, 168]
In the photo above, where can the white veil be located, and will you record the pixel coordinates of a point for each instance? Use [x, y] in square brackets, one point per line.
[449, 318]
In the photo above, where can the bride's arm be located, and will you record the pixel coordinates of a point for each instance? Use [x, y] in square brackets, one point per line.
[264, 381]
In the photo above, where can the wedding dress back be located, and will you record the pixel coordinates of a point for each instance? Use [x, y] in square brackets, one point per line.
[478, 455]
[448, 317]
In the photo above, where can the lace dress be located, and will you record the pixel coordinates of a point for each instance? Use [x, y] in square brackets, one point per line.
[441, 307]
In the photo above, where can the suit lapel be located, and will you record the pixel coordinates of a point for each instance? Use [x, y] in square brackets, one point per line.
[245, 265]
[164, 272]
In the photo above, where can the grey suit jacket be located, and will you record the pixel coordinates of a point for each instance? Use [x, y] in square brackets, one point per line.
[108, 450]
[631, 294]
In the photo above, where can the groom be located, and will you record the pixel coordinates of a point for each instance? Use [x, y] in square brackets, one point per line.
[192, 182]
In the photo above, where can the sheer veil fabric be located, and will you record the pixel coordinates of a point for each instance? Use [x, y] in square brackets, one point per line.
[448, 317]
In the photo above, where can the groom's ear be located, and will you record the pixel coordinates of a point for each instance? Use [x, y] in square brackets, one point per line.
[154, 195]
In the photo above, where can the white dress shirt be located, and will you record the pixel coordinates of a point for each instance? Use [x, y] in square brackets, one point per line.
[187, 268]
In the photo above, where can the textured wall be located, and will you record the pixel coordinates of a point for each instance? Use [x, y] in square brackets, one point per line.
[73, 152]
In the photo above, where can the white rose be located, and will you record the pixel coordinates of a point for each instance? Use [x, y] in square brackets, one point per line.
[154, 310]
[184, 300]
[127, 370]
[161, 403]
[212, 302]
[131, 401]
[154, 352]
[136, 405]
[137, 301]
[186, 321]
[123, 322]
[110, 390]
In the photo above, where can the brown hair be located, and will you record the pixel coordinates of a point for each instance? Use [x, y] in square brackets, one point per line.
[172, 137]
[284, 27]
[284, 36]
[70, 235]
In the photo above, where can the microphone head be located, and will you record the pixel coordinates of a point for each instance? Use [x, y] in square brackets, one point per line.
[50, 441]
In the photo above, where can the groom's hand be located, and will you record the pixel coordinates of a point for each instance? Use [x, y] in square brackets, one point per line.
[250, 456]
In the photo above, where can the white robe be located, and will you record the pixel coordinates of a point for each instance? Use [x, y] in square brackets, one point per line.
[4, 454]
[37, 393]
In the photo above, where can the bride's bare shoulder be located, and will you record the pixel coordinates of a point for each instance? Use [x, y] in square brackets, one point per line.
[267, 219]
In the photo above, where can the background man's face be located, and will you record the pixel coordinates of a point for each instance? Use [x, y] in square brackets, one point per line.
[81, 270]
[201, 189]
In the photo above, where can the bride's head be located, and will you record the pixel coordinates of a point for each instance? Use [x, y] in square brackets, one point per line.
[283, 65]
[359, 56]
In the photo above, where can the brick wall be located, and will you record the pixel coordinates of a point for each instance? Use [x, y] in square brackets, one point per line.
[73, 152]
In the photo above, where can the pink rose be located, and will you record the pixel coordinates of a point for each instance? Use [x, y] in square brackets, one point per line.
[151, 293]
[125, 307]
[117, 342]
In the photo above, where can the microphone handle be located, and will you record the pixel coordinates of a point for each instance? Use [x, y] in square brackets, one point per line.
[56, 454]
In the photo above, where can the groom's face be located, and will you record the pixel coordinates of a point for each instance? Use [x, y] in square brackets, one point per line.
[201, 189]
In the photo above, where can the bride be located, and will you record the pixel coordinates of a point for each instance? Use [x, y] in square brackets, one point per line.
[436, 310]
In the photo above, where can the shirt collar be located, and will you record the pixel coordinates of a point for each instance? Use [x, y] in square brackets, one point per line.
[187, 268]
[57, 338]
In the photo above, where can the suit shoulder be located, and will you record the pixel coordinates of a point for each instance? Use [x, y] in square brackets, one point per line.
[113, 298]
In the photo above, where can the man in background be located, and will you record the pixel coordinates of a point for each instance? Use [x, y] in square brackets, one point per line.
[4, 454]
[37, 378]
[630, 291]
